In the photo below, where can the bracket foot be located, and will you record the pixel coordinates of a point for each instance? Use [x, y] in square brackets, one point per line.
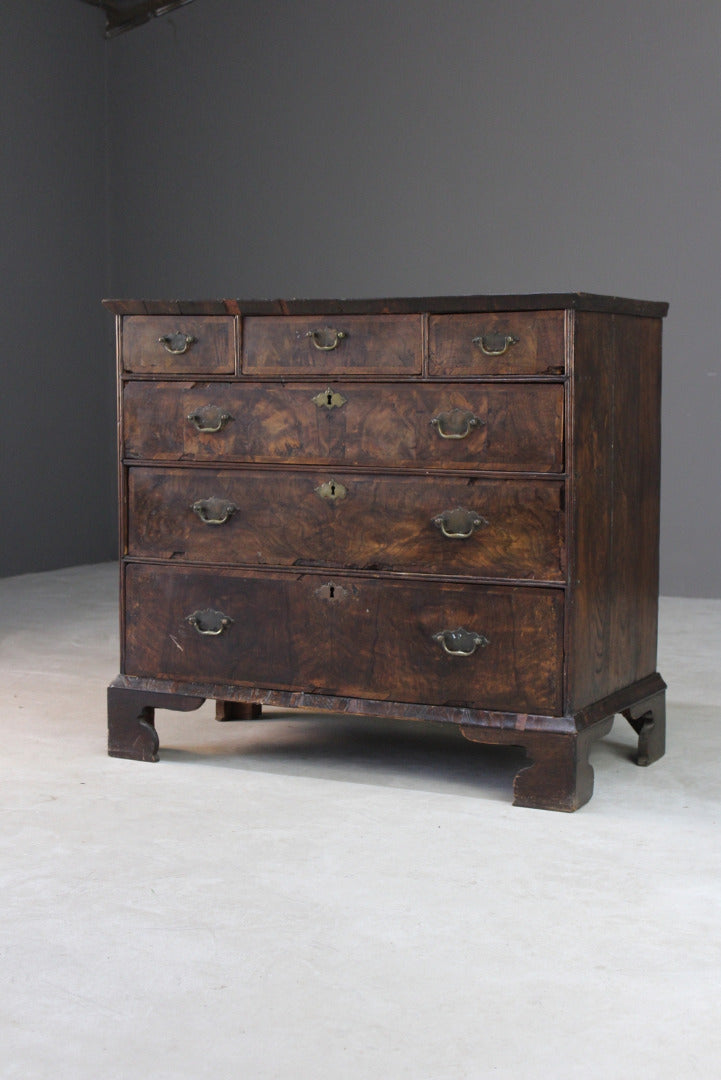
[648, 720]
[131, 720]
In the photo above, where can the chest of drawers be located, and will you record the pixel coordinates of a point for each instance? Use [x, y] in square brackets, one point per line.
[442, 509]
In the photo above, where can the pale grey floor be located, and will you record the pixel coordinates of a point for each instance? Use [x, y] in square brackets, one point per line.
[343, 899]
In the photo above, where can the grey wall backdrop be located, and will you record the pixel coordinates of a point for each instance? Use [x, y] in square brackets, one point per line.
[333, 147]
[56, 436]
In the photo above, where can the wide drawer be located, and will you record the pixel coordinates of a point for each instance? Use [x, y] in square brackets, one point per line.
[462, 645]
[461, 426]
[505, 343]
[485, 528]
[377, 344]
[183, 344]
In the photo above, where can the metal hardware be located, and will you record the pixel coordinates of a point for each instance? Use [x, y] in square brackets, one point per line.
[214, 511]
[209, 623]
[494, 344]
[456, 424]
[209, 418]
[326, 338]
[458, 524]
[178, 343]
[329, 399]
[329, 591]
[460, 642]
[331, 490]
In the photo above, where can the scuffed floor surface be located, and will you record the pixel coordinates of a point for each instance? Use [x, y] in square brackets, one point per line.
[344, 898]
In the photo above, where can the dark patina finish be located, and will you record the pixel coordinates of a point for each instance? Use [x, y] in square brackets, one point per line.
[443, 509]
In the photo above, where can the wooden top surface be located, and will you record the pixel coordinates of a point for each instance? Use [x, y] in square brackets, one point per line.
[434, 305]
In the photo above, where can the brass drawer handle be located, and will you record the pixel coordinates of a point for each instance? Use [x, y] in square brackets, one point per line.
[209, 418]
[460, 642]
[178, 343]
[458, 524]
[326, 338]
[214, 511]
[495, 344]
[456, 424]
[209, 622]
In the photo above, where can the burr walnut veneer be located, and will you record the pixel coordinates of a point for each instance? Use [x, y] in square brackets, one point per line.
[442, 509]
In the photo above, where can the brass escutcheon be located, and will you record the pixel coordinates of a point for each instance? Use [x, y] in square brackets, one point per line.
[330, 591]
[331, 490]
[329, 399]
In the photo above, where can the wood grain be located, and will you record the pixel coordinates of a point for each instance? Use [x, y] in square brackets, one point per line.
[372, 344]
[615, 458]
[322, 579]
[353, 636]
[398, 305]
[537, 347]
[379, 523]
[212, 351]
[521, 426]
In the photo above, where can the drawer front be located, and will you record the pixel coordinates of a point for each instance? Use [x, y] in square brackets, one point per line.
[378, 344]
[507, 343]
[485, 528]
[496, 427]
[169, 344]
[451, 644]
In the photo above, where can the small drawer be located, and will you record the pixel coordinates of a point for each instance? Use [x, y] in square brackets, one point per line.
[497, 427]
[463, 645]
[424, 524]
[348, 344]
[505, 343]
[182, 344]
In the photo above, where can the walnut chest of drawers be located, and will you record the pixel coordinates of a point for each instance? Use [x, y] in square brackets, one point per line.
[442, 509]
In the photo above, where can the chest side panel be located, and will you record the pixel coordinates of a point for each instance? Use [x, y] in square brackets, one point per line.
[615, 462]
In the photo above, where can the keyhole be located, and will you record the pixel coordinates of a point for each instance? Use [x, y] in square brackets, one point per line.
[331, 589]
[332, 487]
[329, 398]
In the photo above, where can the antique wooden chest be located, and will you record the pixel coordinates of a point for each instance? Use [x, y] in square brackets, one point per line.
[440, 509]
